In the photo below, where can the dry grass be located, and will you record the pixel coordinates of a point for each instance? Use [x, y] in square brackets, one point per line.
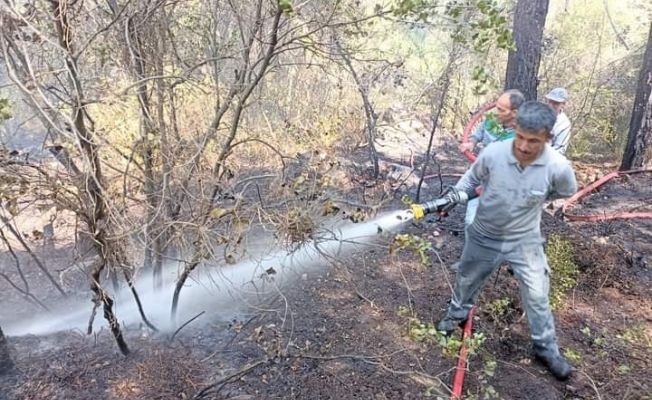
[80, 368]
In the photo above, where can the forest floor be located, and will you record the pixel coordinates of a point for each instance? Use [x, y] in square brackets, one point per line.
[358, 329]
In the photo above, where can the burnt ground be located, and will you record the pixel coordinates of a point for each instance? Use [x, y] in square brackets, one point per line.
[347, 331]
[628, 193]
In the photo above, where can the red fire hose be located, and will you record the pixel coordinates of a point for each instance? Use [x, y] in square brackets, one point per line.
[460, 369]
[602, 217]
[472, 124]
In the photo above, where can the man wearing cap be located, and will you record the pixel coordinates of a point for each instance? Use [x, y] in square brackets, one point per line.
[557, 98]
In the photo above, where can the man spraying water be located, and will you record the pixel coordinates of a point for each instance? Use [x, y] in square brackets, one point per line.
[517, 177]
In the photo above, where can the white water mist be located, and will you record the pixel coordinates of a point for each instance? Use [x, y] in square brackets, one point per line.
[221, 292]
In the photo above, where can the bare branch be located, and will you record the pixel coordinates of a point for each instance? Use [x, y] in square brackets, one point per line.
[621, 38]
[29, 251]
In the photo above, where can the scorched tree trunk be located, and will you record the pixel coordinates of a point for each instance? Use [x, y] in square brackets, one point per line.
[5, 359]
[523, 63]
[640, 125]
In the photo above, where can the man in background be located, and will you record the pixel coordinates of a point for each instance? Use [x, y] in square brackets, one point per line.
[494, 129]
[556, 99]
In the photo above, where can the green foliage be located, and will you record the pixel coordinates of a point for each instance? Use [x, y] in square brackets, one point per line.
[406, 200]
[586, 331]
[636, 336]
[572, 355]
[5, 112]
[564, 272]
[285, 6]
[624, 369]
[481, 77]
[490, 368]
[450, 345]
[419, 9]
[480, 30]
[415, 243]
[495, 127]
[404, 311]
[499, 307]
[599, 342]
[486, 390]
[488, 28]
[632, 339]
[581, 52]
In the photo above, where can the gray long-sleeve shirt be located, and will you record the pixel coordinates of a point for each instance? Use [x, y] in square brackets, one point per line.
[512, 199]
[561, 133]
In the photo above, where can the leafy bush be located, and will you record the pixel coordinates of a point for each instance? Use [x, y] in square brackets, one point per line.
[564, 272]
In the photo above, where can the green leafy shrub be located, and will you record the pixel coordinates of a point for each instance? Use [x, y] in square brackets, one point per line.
[564, 272]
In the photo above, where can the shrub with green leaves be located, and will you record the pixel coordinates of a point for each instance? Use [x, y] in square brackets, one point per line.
[564, 272]
[419, 245]
[498, 307]
[450, 345]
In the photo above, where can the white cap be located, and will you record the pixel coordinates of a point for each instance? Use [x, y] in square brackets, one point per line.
[558, 94]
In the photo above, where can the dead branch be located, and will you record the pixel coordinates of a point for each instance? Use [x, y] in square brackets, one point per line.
[619, 36]
[214, 388]
[29, 251]
[24, 292]
[444, 84]
[372, 117]
[184, 325]
[141, 311]
[102, 296]
[245, 89]
[82, 127]
[16, 261]
[96, 305]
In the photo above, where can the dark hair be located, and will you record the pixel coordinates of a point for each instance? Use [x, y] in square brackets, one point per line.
[534, 116]
[516, 98]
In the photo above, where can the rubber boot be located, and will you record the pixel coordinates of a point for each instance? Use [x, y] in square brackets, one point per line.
[448, 324]
[555, 362]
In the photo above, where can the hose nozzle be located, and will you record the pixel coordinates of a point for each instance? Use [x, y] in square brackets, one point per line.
[418, 211]
[443, 204]
[429, 207]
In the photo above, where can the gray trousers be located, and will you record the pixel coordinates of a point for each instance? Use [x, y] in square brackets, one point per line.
[482, 256]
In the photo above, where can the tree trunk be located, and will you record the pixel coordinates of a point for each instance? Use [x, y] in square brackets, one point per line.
[523, 63]
[640, 125]
[248, 80]
[96, 213]
[5, 359]
[372, 118]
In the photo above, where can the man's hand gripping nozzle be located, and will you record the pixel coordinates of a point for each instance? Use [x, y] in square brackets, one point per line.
[443, 204]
